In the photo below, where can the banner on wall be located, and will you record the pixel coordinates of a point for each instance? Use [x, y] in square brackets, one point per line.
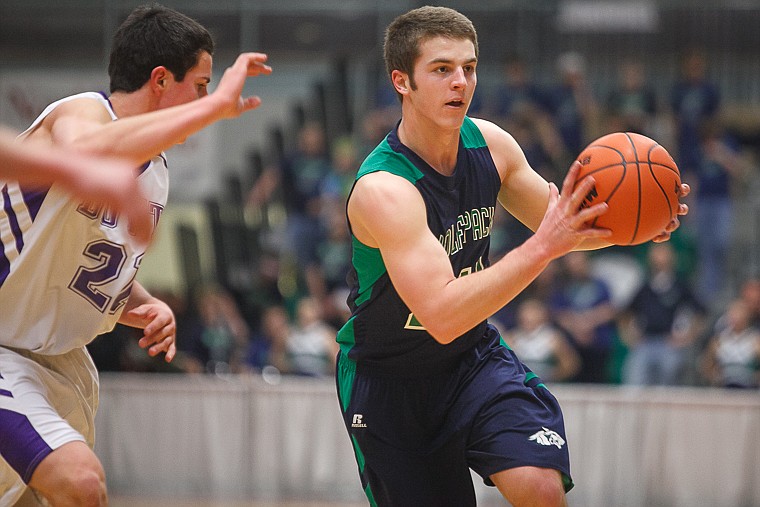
[24, 94]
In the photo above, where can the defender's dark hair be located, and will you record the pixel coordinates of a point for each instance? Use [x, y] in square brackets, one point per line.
[405, 34]
[152, 36]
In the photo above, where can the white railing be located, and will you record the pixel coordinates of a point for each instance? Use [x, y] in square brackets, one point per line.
[240, 438]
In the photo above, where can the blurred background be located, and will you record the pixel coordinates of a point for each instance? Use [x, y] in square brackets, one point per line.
[653, 351]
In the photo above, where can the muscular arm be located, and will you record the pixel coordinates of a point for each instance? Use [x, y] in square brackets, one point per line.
[32, 166]
[518, 179]
[85, 126]
[388, 213]
[109, 180]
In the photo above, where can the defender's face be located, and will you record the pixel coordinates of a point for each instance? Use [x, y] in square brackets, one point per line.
[444, 79]
[193, 87]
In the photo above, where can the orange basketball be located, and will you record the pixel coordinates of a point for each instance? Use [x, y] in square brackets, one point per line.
[639, 181]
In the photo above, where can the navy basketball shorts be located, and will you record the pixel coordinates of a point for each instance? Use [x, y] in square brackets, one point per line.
[416, 439]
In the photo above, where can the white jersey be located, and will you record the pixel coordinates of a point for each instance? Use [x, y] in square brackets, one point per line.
[66, 266]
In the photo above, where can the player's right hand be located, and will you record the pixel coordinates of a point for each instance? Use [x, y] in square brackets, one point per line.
[566, 223]
[159, 328]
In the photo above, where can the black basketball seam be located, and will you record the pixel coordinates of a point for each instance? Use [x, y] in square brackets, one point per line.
[654, 177]
[660, 164]
[620, 181]
[638, 179]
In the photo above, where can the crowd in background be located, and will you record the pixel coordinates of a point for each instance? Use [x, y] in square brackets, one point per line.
[653, 314]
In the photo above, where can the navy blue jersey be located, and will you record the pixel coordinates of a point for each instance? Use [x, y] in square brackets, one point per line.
[382, 334]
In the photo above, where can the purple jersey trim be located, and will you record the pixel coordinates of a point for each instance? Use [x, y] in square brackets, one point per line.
[5, 392]
[15, 228]
[5, 266]
[105, 96]
[145, 166]
[5, 263]
[20, 444]
[34, 199]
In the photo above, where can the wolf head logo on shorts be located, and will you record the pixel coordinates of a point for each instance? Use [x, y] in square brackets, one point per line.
[548, 437]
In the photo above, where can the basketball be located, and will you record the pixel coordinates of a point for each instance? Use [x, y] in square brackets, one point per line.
[639, 181]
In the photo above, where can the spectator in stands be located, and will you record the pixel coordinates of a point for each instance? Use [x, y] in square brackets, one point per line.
[267, 347]
[693, 100]
[749, 292]
[572, 104]
[375, 125]
[219, 344]
[632, 103]
[541, 345]
[267, 289]
[506, 233]
[732, 355]
[541, 143]
[583, 308]
[718, 168]
[522, 108]
[749, 295]
[311, 346]
[517, 94]
[519, 105]
[326, 277]
[542, 289]
[300, 178]
[109, 350]
[338, 182]
[660, 324]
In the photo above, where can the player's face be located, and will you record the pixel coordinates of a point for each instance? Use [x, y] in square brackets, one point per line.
[445, 80]
[193, 87]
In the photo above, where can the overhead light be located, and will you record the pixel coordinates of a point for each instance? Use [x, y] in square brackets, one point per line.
[607, 16]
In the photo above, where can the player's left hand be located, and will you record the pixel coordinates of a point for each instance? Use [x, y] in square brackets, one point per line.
[683, 209]
[159, 328]
[228, 93]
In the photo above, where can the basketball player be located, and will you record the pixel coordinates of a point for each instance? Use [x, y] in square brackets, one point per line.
[427, 387]
[67, 267]
[108, 181]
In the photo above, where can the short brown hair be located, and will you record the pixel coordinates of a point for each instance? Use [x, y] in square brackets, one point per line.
[154, 35]
[405, 34]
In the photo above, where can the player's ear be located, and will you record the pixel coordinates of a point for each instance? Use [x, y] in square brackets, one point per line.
[400, 82]
[159, 78]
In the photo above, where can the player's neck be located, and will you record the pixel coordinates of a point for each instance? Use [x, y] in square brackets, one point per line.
[129, 104]
[434, 145]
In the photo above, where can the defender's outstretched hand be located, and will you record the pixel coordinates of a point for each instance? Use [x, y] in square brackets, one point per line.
[230, 87]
